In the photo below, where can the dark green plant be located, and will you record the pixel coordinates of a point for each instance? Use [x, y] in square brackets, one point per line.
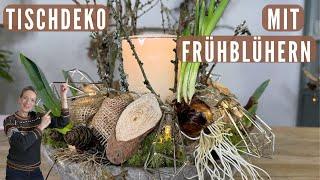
[252, 105]
[41, 85]
[66, 129]
[162, 148]
[53, 138]
[5, 66]
[45, 92]
[141, 155]
[206, 19]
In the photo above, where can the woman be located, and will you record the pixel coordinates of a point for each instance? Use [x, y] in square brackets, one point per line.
[24, 129]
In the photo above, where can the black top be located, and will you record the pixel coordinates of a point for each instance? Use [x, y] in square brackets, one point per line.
[25, 138]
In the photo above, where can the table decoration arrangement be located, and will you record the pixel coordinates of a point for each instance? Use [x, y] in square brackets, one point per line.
[163, 119]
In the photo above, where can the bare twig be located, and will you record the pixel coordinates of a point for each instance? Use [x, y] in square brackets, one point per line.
[149, 2]
[123, 77]
[162, 16]
[134, 17]
[147, 10]
[208, 75]
[242, 29]
[140, 63]
[175, 62]
[202, 74]
[75, 1]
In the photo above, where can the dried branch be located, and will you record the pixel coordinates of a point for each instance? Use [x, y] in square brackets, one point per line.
[124, 86]
[148, 9]
[75, 1]
[175, 62]
[242, 29]
[204, 81]
[104, 50]
[162, 16]
[202, 74]
[140, 63]
[148, 3]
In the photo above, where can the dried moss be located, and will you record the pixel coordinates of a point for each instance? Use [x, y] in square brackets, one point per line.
[161, 149]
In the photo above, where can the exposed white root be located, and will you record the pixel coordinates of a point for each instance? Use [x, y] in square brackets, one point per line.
[229, 157]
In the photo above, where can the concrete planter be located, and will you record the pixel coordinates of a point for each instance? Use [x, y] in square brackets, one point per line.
[73, 171]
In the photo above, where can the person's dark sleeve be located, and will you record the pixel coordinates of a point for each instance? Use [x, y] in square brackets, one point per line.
[60, 122]
[19, 140]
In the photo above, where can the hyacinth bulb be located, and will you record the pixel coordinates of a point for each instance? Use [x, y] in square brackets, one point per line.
[194, 117]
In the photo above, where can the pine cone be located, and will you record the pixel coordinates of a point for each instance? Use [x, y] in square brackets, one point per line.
[80, 137]
[55, 135]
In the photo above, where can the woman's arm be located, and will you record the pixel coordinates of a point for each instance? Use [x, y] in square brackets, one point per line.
[17, 139]
[63, 120]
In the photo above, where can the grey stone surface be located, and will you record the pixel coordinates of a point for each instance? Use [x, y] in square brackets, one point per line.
[74, 171]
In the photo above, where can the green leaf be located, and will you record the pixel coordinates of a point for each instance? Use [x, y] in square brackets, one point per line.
[252, 105]
[65, 129]
[41, 85]
[196, 27]
[70, 82]
[186, 31]
[39, 109]
[202, 17]
[211, 8]
[180, 82]
[5, 75]
[252, 111]
[203, 25]
[193, 79]
[260, 90]
[45, 108]
[5, 65]
[216, 17]
[185, 82]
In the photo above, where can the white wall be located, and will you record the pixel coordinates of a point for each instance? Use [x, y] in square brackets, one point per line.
[54, 51]
[279, 104]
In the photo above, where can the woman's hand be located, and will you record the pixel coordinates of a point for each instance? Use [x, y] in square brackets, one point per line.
[45, 121]
[64, 89]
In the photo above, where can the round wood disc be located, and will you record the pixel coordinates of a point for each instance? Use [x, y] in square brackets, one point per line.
[139, 117]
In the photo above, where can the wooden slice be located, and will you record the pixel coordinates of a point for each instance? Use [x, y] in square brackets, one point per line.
[119, 151]
[138, 117]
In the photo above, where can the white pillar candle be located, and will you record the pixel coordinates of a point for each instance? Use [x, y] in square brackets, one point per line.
[156, 53]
